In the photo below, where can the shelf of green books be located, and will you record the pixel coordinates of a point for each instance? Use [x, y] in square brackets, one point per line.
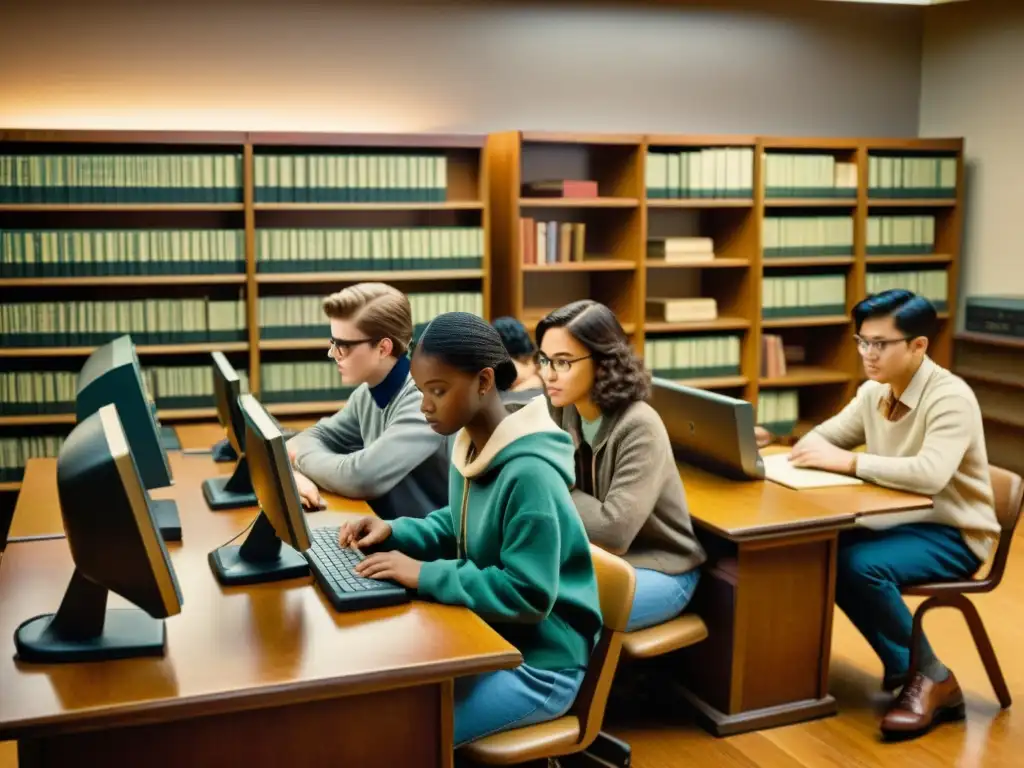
[933, 258]
[120, 280]
[804, 322]
[807, 261]
[387, 275]
[718, 324]
[806, 376]
[156, 349]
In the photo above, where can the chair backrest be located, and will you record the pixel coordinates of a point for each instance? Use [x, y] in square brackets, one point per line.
[616, 582]
[1008, 490]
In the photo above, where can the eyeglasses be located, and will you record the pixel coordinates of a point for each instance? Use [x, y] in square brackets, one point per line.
[559, 364]
[876, 346]
[344, 347]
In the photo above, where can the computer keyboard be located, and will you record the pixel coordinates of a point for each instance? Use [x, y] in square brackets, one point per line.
[333, 568]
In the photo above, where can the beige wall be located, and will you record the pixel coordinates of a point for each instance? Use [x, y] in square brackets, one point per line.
[803, 67]
[973, 86]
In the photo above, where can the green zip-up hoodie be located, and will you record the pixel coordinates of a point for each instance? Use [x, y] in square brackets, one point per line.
[511, 546]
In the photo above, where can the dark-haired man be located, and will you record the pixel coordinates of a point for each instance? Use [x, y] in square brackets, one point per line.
[922, 432]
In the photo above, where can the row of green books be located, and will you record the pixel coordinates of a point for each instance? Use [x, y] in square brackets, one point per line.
[383, 249]
[95, 178]
[305, 382]
[149, 321]
[302, 317]
[807, 236]
[350, 178]
[98, 252]
[808, 175]
[691, 357]
[908, 235]
[803, 296]
[933, 284]
[16, 451]
[708, 172]
[185, 386]
[914, 176]
[778, 410]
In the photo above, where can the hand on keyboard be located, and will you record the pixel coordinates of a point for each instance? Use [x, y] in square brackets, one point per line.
[393, 566]
[363, 532]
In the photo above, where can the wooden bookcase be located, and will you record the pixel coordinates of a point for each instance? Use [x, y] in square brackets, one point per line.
[461, 202]
[623, 217]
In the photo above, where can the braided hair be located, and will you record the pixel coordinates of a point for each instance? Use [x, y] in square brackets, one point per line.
[515, 338]
[468, 343]
[620, 377]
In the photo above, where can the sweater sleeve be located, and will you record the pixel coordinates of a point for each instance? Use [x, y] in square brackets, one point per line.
[946, 439]
[431, 538]
[524, 586]
[846, 429]
[615, 522]
[335, 434]
[371, 471]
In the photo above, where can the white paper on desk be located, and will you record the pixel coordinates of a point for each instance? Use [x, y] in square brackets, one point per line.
[778, 469]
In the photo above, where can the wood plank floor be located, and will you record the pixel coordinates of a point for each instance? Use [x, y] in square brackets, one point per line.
[990, 738]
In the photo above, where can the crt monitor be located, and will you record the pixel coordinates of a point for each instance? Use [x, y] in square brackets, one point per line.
[234, 491]
[112, 375]
[273, 549]
[709, 430]
[111, 532]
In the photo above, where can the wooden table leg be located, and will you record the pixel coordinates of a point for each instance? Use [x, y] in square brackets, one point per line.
[769, 616]
[408, 726]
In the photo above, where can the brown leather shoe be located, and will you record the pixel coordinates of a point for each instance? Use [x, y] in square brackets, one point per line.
[922, 704]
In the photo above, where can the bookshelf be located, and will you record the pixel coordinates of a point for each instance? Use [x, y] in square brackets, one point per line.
[182, 224]
[799, 210]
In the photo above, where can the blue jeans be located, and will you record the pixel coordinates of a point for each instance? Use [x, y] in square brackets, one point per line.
[660, 596]
[511, 698]
[872, 567]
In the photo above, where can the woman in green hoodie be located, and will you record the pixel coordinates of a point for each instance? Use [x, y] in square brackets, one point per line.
[509, 546]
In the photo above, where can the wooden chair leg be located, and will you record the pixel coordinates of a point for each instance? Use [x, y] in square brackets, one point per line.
[985, 650]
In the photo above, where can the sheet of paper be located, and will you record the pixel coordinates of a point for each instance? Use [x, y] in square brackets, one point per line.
[778, 469]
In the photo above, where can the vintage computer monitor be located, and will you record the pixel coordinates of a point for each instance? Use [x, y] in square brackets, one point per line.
[111, 531]
[709, 430]
[273, 549]
[235, 491]
[112, 375]
[280, 543]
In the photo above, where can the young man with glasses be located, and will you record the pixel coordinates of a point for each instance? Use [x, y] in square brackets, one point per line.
[379, 447]
[922, 430]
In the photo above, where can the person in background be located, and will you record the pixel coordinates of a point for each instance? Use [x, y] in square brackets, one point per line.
[510, 546]
[628, 490]
[923, 433]
[379, 447]
[520, 348]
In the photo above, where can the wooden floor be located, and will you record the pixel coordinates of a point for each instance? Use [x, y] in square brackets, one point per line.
[990, 738]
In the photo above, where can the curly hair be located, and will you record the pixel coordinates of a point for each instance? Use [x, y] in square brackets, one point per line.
[466, 342]
[620, 377]
[515, 338]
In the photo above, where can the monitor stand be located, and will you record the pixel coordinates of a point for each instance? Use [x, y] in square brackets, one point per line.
[168, 521]
[84, 629]
[262, 557]
[231, 492]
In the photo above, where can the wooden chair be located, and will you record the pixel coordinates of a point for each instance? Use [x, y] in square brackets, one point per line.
[580, 727]
[680, 632]
[1008, 488]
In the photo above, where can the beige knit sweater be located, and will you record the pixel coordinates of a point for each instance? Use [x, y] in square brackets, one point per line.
[937, 449]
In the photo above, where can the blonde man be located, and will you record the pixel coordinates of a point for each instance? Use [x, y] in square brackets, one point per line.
[378, 447]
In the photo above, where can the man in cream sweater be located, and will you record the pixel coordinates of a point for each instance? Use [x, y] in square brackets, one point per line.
[922, 430]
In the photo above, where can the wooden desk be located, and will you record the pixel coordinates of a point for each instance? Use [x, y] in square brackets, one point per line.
[767, 596]
[202, 435]
[263, 675]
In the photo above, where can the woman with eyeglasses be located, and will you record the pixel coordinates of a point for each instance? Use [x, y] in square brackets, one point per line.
[379, 447]
[628, 490]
